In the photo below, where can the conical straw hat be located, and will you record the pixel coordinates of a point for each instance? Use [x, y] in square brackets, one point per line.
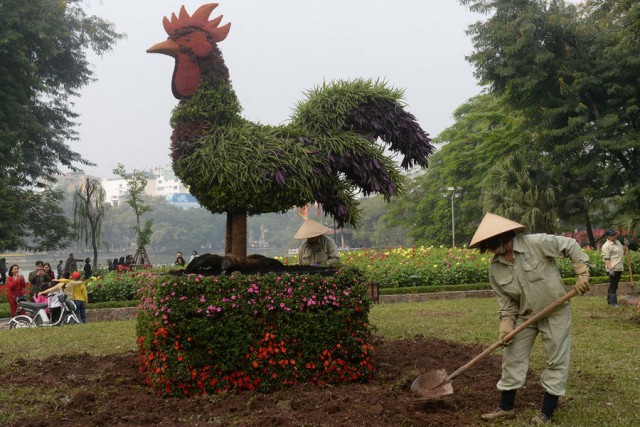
[492, 225]
[310, 228]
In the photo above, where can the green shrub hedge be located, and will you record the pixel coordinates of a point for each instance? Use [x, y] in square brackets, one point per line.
[209, 335]
[116, 286]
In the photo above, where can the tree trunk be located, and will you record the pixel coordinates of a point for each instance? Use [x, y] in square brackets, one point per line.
[239, 234]
[587, 221]
[94, 244]
[228, 247]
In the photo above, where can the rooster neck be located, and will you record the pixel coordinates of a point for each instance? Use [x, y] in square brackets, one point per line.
[213, 68]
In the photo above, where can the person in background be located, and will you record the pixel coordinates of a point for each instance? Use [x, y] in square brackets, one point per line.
[525, 277]
[318, 249]
[39, 279]
[121, 262]
[179, 259]
[3, 271]
[193, 255]
[109, 264]
[81, 299]
[67, 287]
[115, 264]
[15, 287]
[47, 269]
[613, 255]
[60, 269]
[87, 268]
[70, 264]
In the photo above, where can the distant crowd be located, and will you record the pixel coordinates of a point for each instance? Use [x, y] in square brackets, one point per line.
[119, 264]
[44, 285]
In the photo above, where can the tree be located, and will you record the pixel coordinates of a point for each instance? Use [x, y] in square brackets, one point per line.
[572, 72]
[485, 131]
[32, 220]
[136, 183]
[42, 65]
[523, 188]
[88, 214]
[376, 230]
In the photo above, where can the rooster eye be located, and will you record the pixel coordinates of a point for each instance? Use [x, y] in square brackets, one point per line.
[187, 39]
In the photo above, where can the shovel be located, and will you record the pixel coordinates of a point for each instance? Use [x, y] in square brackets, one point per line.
[433, 385]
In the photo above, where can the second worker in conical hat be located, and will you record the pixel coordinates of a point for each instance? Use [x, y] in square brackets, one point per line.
[318, 248]
[524, 275]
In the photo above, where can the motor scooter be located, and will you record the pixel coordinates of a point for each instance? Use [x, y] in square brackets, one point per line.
[36, 315]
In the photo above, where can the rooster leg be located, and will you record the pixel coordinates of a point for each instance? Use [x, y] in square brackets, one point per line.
[236, 238]
[228, 247]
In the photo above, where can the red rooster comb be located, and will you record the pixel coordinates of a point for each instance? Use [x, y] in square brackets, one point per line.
[199, 19]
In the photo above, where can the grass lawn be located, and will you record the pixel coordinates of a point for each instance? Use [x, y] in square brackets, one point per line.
[604, 381]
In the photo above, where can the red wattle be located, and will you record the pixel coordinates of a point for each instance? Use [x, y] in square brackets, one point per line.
[186, 77]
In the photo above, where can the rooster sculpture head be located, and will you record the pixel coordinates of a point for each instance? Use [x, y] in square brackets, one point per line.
[193, 43]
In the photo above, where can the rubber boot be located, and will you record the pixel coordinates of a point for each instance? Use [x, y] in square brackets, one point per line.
[612, 299]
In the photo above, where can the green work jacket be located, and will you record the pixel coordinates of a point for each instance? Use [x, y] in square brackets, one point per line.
[533, 281]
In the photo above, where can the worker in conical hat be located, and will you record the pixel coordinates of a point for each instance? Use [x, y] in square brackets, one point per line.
[318, 248]
[524, 275]
[492, 231]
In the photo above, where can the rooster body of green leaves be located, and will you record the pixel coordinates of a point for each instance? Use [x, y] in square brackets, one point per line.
[327, 153]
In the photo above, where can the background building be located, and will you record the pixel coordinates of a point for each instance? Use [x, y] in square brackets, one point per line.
[161, 182]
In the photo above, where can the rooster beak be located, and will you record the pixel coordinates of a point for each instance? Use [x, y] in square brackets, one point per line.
[168, 47]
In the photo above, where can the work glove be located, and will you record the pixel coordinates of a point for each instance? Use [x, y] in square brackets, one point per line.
[506, 326]
[612, 273]
[582, 284]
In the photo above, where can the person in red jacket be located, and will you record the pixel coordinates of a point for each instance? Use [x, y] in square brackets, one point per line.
[15, 287]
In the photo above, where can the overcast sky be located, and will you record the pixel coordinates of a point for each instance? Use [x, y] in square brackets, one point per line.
[275, 51]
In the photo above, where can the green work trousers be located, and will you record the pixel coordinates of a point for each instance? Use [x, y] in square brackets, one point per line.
[555, 331]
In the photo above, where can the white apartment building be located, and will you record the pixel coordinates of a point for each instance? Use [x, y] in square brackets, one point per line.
[161, 181]
[166, 182]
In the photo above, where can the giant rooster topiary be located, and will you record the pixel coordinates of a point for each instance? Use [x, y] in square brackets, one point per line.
[327, 153]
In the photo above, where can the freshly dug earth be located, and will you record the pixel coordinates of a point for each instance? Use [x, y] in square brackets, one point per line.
[88, 390]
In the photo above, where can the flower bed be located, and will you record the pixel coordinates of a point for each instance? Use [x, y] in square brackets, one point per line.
[209, 335]
[401, 267]
[438, 266]
[394, 269]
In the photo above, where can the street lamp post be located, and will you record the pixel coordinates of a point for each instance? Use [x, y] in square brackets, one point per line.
[453, 216]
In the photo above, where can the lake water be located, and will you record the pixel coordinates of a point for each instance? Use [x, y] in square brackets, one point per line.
[27, 261]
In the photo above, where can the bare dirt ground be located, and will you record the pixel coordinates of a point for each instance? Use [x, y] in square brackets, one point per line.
[107, 391]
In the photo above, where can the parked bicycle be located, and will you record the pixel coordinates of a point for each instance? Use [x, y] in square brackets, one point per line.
[36, 315]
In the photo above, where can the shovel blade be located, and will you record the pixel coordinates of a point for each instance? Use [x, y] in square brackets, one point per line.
[432, 385]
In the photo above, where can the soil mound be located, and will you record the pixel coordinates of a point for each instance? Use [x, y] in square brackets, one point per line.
[106, 391]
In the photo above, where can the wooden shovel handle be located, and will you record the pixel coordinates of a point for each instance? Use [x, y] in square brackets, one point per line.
[515, 332]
